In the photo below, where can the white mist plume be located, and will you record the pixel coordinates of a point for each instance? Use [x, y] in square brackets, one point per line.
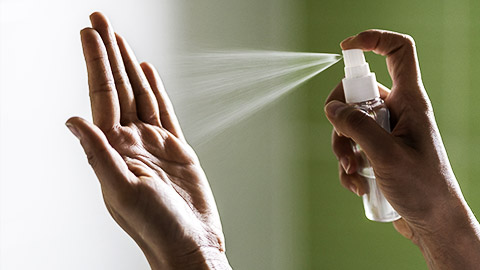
[225, 87]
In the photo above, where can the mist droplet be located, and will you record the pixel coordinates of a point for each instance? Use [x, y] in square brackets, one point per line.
[225, 87]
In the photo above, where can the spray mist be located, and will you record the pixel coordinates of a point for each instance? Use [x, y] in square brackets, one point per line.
[361, 90]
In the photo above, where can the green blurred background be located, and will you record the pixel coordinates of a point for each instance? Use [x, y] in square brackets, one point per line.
[274, 176]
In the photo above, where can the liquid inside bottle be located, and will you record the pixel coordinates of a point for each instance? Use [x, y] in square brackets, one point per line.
[377, 208]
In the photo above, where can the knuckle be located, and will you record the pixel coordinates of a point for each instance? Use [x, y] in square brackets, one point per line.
[426, 106]
[152, 119]
[106, 86]
[120, 137]
[96, 59]
[121, 81]
[119, 73]
[419, 105]
[92, 159]
[408, 40]
[114, 132]
[97, 157]
[393, 159]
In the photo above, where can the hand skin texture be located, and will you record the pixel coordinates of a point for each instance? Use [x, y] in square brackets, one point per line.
[410, 164]
[151, 179]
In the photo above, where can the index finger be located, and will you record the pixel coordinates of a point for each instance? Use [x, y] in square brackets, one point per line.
[399, 49]
[103, 96]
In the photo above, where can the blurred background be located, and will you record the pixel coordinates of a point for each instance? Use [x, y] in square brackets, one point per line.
[273, 175]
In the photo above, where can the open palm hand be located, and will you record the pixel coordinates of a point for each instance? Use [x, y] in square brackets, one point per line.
[151, 179]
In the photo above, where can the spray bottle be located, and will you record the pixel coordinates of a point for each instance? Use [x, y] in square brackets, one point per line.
[361, 91]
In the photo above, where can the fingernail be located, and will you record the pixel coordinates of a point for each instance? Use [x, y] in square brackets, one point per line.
[356, 184]
[338, 133]
[73, 129]
[346, 40]
[334, 107]
[345, 164]
[353, 188]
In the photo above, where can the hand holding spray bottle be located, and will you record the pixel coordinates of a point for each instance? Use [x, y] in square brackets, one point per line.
[361, 91]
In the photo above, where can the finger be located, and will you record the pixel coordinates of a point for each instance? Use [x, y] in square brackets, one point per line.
[376, 142]
[109, 166]
[103, 96]
[122, 83]
[392, 105]
[168, 117]
[338, 94]
[383, 90]
[147, 108]
[404, 229]
[353, 182]
[399, 49]
[343, 150]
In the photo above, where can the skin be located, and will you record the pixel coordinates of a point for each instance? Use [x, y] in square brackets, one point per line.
[152, 182]
[410, 164]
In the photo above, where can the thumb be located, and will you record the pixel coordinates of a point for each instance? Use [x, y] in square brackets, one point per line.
[109, 166]
[376, 142]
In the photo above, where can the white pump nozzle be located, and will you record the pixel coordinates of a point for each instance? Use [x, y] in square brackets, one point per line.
[359, 84]
[355, 64]
[353, 57]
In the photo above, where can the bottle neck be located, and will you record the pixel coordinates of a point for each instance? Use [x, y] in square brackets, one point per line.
[370, 102]
[360, 89]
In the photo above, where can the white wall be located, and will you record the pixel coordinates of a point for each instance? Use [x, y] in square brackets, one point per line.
[51, 211]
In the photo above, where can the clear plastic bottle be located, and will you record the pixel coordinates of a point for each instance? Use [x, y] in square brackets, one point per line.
[361, 90]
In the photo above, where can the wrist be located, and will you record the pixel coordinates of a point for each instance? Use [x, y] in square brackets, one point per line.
[200, 258]
[450, 238]
[216, 259]
[203, 258]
